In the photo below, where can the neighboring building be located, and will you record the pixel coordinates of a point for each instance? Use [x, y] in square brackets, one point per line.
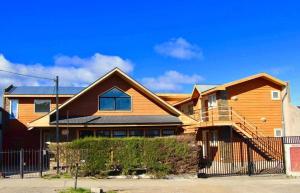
[118, 106]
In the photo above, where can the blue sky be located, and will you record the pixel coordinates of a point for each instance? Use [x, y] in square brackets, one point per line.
[166, 45]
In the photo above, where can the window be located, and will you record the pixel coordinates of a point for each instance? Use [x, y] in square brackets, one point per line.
[152, 133]
[136, 133]
[42, 106]
[114, 100]
[275, 94]
[190, 109]
[86, 133]
[168, 132]
[277, 132]
[212, 101]
[102, 133]
[14, 109]
[119, 133]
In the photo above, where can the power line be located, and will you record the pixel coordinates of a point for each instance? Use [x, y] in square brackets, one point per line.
[57, 114]
[26, 75]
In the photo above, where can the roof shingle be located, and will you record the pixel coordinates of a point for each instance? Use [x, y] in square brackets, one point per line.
[136, 119]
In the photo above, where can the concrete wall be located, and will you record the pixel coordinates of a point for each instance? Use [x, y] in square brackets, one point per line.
[291, 125]
[289, 158]
[291, 116]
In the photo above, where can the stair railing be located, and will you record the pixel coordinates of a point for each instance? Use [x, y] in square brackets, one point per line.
[226, 113]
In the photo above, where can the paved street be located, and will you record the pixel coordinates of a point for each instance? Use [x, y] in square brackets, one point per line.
[244, 184]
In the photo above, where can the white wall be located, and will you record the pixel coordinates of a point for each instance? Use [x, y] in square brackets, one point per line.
[287, 154]
[291, 116]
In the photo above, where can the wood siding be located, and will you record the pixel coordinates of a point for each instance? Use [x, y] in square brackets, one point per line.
[87, 103]
[254, 102]
[15, 132]
[173, 98]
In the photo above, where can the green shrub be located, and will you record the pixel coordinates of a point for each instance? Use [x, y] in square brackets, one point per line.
[158, 156]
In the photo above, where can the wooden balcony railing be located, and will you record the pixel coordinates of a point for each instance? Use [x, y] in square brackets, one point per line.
[225, 115]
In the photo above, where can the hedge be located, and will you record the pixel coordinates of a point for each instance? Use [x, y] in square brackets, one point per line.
[157, 156]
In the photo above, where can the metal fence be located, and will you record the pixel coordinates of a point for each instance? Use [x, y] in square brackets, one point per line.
[242, 156]
[24, 163]
[238, 156]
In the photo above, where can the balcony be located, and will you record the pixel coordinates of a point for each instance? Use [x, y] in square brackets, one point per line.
[225, 116]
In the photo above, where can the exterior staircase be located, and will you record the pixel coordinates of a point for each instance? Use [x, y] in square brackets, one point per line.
[226, 116]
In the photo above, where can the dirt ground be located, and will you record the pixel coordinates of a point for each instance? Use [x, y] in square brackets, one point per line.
[241, 184]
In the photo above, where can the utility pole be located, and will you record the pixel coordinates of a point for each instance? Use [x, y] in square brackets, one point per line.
[57, 128]
[56, 89]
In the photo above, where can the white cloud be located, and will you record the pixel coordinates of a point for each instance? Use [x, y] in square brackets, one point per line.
[179, 48]
[279, 70]
[73, 71]
[171, 81]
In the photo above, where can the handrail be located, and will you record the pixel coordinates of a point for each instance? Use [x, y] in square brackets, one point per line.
[248, 123]
[213, 114]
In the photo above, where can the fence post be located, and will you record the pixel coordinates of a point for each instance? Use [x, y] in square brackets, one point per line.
[283, 154]
[22, 163]
[76, 176]
[41, 162]
[249, 160]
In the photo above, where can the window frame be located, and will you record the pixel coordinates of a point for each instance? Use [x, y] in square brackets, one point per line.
[278, 129]
[139, 130]
[119, 130]
[10, 109]
[215, 103]
[103, 130]
[147, 132]
[169, 129]
[42, 100]
[86, 130]
[272, 96]
[115, 110]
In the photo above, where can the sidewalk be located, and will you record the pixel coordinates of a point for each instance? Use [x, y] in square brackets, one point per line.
[241, 184]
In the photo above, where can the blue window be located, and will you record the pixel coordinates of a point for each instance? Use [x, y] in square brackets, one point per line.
[14, 109]
[114, 100]
[119, 133]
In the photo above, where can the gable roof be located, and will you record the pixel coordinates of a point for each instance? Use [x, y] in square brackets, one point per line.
[260, 75]
[206, 88]
[130, 80]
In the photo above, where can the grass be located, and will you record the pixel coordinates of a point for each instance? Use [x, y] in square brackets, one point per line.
[80, 190]
[51, 176]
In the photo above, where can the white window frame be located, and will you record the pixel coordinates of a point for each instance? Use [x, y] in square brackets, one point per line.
[278, 129]
[212, 101]
[10, 109]
[42, 100]
[272, 96]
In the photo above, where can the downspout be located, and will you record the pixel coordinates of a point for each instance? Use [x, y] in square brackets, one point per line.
[287, 91]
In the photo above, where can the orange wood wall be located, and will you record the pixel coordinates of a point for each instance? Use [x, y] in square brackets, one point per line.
[87, 104]
[26, 108]
[254, 102]
[172, 100]
[15, 132]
